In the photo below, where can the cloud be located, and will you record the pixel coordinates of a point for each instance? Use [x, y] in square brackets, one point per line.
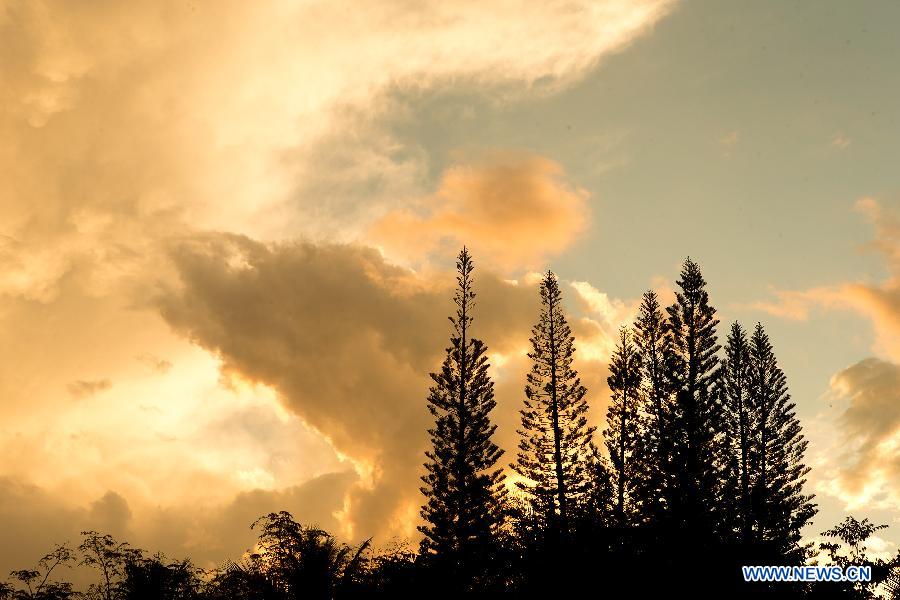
[865, 468]
[222, 531]
[127, 129]
[111, 514]
[515, 209]
[34, 520]
[598, 329]
[878, 302]
[840, 141]
[156, 364]
[799, 305]
[730, 139]
[83, 389]
[161, 111]
[347, 340]
[859, 452]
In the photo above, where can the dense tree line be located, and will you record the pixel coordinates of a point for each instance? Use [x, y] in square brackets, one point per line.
[701, 471]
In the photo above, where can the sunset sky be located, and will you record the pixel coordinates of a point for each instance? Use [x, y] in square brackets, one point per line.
[227, 233]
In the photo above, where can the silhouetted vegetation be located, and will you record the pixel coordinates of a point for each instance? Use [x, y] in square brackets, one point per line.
[703, 472]
[463, 489]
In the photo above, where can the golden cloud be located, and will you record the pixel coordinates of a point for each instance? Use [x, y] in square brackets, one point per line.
[860, 451]
[864, 467]
[516, 209]
[878, 302]
[128, 126]
[82, 388]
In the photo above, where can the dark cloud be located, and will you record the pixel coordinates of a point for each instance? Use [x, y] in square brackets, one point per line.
[211, 536]
[347, 339]
[111, 514]
[34, 520]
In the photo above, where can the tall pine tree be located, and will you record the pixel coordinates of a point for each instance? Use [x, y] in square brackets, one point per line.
[623, 433]
[463, 490]
[740, 416]
[695, 419]
[556, 445]
[652, 342]
[780, 507]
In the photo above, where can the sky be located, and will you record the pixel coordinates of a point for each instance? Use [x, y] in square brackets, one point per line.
[227, 234]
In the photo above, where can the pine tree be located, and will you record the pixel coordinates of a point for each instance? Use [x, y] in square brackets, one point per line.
[556, 445]
[695, 419]
[738, 411]
[623, 433]
[599, 510]
[779, 505]
[463, 490]
[652, 343]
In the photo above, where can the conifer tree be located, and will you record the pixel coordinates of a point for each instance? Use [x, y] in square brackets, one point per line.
[463, 490]
[779, 505]
[623, 433]
[740, 417]
[556, 445]
[599, 510]
[695, 419]
[652, 343]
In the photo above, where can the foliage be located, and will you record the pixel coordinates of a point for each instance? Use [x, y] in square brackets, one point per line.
[556, 442]
[463, 488]
[703, 469]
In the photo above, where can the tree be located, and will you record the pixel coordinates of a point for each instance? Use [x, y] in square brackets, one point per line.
[463, 490]
[243, 580]
[154, 578]
[740, 416]
[779, 505]
[555, 446]
[36, 584]
[601, 508]
[850, 550]
[623, 433]
[304, 562]
[109, 558]
[653, 487]
[394, 572]
[695, 419]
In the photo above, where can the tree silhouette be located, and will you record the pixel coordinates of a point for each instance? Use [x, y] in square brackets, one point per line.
[243, 580]
[703, 469]
[109, 557]
[849, 549]
[623, 434]
[779, 505]
[695, 419]
[36, 584]
[305, 561]
[463, 490]
[556, 442]
[155, 578]
[741, 416]
[653, 486]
